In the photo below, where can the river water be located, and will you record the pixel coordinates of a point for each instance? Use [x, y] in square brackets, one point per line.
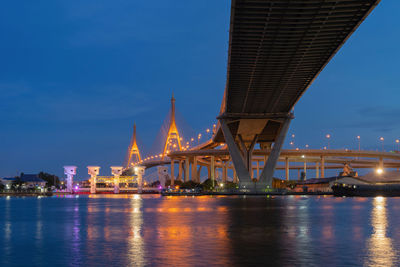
[149, 230]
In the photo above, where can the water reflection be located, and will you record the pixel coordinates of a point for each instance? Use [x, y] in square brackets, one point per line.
[189, 232]
[76, 238]
[379, 245]
[133, 230]
[136, 252]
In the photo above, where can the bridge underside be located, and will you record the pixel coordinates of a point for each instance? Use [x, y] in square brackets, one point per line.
[276, 50]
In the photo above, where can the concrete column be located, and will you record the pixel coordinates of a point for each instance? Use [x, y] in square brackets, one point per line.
[180, 170]
[258, 169]
[162, 175]
[139, 172]
[224, 172]
[322, 167]
[172, 172]
[116, 171]
[305, 169]
[316, 169]
[194, 170]
[235, 177]
[298, 174]
[237, 158]
[381, 163]
[268, 171]
[70, 171]
[287, 168]
[187, 166]
[212, 168]
[93, 171]
[199, 173]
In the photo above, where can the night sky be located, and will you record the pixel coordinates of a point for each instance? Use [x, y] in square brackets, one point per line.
[76, 75]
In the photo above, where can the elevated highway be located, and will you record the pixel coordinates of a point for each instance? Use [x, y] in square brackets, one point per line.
[277, 48]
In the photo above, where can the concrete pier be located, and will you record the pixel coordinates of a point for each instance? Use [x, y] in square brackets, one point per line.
[116, 171]
[93, 171]
[70, 171]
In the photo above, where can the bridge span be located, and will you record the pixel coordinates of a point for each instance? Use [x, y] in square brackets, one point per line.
[277, 48]
[190, 163]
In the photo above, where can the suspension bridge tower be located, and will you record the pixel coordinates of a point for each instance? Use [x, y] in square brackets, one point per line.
[173, 141]
[133, 151]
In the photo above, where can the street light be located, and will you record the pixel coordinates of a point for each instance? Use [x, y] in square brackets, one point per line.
[359, 142]
[382, 139]
[397, 142]
[292, 144]
[328, 136]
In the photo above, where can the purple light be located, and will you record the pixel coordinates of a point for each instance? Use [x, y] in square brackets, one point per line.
[159, 187]
[76, 187]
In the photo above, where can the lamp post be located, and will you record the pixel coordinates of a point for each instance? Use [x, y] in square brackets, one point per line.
[382, 139]
[359, 142]
[328, 136]
[397, 142]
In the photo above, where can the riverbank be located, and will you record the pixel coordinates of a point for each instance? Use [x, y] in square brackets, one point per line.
[26, 194]
[246, 193]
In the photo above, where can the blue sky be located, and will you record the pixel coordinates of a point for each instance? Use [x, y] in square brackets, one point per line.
[75, 75]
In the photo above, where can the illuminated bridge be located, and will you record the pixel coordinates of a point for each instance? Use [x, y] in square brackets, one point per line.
[276, 50]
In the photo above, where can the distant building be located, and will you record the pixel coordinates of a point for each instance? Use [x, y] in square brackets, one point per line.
[7, 181]
[32, 180]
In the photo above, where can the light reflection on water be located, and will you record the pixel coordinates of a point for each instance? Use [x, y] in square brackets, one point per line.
[133, 230]
[380, 246]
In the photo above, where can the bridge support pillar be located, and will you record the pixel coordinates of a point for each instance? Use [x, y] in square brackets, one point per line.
[316, 169]
[180, 170]
[237, 158]
[322, 167]
[139, 172]
[224, 172]
[381, 163]
[235, 177]
[162, 175]
[187, 166]
[212, 168]
[116, 171]
[172, 172]
[269, 168]
[93, 171]
[199, 173]
[287, 169]
[194, 170]
[70, 171]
